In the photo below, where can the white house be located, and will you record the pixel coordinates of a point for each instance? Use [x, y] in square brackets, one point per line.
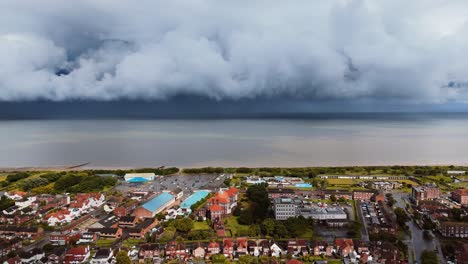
[26, 202]
[275, 250]
[60, 217]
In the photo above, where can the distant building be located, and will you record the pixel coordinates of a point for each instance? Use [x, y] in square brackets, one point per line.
[156, 205]
[426, 192]
[385, 185]
[460, 196]
[280, 193]
[456, 172]
[338, 194]
[363, 195]
[139, 177]
[285, 208]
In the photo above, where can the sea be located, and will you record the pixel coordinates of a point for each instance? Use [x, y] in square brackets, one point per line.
[287, 141]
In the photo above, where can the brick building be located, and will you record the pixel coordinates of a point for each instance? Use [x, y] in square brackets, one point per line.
[460, 196]
[426, 192]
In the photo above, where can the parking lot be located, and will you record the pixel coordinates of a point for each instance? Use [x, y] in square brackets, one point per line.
[188, 183]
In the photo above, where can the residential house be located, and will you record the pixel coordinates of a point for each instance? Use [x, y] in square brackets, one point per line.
[63, 216]
[276, 250]
[213, 248]
[175, 250]
[242, 247]
[228, 247]
[56, 256]
[265, 247]
[199, 251]
[127, 221]
[63, 238]
[142, 228]
[254, 248]
[149, 251]
[87, 237]
[7, 246]
[321, 248]
[32, 256]
[344, 246]
[102, 256]
[297, 247]
[77, 255]
[109, 232]
[11, 231]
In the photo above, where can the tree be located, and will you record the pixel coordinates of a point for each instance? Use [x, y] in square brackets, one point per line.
[268, 226]
[184, 224]
[6, 202]
[333, 198]
[122, 258]
[259, 201]
[429, 257]
[342, 199]
[48, 247]
[427, 235]
[218, 258]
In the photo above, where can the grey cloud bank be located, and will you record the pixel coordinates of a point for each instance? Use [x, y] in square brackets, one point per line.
[411, 51]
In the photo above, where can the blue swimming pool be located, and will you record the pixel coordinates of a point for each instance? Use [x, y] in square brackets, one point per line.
[303, 185]
[195, 197]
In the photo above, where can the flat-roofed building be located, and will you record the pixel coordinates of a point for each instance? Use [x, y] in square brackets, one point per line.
[285, 208]
[426, 192]
[318, 213]
[385, 185]
[456, 172]
[363, 195]
[454, 229]
[154, 206]
[139, 177]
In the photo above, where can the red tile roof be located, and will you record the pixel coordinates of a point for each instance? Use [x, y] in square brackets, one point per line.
[344, 242]
[216, 208]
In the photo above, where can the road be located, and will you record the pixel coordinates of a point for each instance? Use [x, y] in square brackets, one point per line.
[362, 219]
[417, 244]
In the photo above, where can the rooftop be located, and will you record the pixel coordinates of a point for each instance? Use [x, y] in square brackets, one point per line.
[158, 201]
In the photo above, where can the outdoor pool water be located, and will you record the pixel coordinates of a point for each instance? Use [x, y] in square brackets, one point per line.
[195, 197]
[303, 185]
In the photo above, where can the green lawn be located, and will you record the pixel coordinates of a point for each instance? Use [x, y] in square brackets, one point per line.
[132, 242]
[200, 225]
[102, 242]
[236, 228]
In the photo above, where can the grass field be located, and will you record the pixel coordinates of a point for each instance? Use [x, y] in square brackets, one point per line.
[236, 228]
[132, 242]
[460, 185]
[343, 181]
[102, 242]
[200, 225]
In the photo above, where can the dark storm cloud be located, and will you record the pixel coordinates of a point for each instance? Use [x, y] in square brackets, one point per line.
[341, 49]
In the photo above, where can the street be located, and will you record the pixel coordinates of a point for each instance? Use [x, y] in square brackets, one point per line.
[417, 244]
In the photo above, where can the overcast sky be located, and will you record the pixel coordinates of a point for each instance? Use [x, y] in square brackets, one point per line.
[411, 52]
